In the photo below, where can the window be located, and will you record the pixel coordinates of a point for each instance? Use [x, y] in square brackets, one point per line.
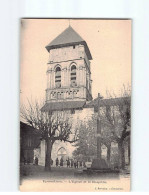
[58, 77]
[73, 76]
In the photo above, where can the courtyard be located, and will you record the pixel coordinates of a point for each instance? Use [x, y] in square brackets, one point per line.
[31, 172]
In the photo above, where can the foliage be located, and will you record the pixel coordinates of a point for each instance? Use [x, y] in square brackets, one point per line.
[85, 146]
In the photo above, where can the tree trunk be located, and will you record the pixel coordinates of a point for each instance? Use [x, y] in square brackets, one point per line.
[48, 155]
[108, 155]
[121, 155]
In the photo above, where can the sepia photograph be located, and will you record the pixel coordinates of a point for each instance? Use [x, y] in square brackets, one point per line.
[75, 104]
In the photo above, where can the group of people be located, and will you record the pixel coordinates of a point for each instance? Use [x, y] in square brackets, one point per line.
[70, 163]
[61, 162]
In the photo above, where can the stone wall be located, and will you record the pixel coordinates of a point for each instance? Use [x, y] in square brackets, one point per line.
[66, 53]
[40, 153]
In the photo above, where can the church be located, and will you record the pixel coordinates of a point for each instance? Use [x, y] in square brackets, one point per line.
[69, 85]
[69, 90]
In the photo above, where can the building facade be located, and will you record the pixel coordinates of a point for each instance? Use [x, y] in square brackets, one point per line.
[29, 142]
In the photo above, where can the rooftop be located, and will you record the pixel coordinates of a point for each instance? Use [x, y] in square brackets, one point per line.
[27, 129]
[53, 106]
[68, 37]
[107, 102]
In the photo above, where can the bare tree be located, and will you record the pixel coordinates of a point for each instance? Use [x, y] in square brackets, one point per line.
[52, 126]
[116, 115]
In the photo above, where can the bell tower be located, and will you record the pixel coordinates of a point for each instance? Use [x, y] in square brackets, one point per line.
[68, 72]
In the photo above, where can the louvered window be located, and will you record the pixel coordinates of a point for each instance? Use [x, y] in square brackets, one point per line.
[58, 77]
[73, 76]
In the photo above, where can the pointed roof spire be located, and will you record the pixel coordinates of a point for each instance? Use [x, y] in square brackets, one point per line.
[68, 37]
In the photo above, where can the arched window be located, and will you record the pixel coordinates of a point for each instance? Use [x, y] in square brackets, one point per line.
[73, 76]
[58, 77]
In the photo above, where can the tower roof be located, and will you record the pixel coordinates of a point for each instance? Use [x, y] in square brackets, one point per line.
[68, 37]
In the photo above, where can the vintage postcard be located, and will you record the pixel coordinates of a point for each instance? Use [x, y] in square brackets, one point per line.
[75, 105]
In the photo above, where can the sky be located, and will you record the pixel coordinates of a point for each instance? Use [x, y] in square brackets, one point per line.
[109, 42]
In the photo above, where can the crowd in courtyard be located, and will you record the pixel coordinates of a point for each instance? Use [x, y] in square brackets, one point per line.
[70, 163]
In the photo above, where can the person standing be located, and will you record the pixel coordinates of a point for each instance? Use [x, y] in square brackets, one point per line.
[71, 163]
[36, 160]
[75, 163]
[51, 162]
[80, 163]
[61, 162]
[68, 163]
[57, 162]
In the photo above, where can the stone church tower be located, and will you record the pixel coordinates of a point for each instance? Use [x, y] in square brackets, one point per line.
[68, 72]
[68, 81]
